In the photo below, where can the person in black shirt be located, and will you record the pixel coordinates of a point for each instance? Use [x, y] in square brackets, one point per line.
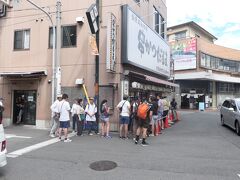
[154, 120]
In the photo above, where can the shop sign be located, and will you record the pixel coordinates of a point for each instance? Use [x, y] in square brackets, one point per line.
[142, 46]
[125, 87]
[111, 43]
[6, 2]
[3, 9]
[184, 54]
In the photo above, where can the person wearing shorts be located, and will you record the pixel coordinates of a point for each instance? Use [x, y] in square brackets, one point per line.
[142, 126]
[104, 116]
[155, 118]
[125, 109]
[64, 120]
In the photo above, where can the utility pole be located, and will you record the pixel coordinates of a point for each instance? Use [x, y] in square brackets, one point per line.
[58, 48]
[54, 50]
[97, 63]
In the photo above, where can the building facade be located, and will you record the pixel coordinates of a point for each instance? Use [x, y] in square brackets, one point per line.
[206, 72]
[134, 57]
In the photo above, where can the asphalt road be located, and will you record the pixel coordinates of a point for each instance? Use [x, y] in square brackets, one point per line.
[196, 148]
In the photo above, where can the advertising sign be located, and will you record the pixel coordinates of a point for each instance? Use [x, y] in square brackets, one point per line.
[6, 2]
[142, 46]
[184, 54]
[111, 43]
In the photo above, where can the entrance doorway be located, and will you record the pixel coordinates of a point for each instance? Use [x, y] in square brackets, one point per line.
[24, 107]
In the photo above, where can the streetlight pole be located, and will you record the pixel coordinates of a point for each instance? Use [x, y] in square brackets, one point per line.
[58, 47]
[54, 49]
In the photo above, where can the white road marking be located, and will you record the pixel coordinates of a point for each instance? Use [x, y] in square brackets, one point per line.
[238, 175]
[8, 136]
[28, 149]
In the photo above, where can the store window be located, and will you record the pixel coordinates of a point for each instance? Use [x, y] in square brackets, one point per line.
[226, 87]
[69, 36]
[22, 39]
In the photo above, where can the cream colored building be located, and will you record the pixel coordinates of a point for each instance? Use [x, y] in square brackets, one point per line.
[206, 72]
[26, 55]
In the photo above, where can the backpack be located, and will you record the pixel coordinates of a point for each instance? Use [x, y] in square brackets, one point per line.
[142, 111]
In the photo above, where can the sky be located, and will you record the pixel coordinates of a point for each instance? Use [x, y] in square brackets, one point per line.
[220, 18]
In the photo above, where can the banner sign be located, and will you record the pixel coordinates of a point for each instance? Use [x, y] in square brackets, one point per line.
[111, 43]
[93, 45]
[184, 54]
[142, 46]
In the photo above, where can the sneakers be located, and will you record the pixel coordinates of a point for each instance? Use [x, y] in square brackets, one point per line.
[151, 135]
[144, 143]
[90, 134]
[108, 136]
[52, 135]
[136, 142]
[67, 140]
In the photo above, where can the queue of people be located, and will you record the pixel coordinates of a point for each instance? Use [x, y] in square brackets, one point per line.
[140, 118]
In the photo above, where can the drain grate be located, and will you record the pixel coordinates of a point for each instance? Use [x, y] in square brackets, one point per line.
[103, 165]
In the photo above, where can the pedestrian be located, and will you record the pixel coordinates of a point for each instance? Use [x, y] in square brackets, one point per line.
[20, 104]
[81, 118]
[64, 120]
[154, 119]
[166, 106]
[91, 110]
[104, 116]
[1, 110]
[173, 108]
[160, 112]
[55, 116]
[144, 115]
[134, 108]
[75, 111]
[124, 108]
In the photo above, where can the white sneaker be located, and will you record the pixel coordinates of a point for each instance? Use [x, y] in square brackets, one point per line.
[52, 135]
[67, 140]
[151, 135]
[90, 134]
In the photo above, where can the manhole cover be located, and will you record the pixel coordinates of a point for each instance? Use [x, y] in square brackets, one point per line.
[103, 165]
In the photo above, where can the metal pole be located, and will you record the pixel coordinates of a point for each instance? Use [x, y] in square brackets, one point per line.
[54, 49]
[97, 64]
[58, 47]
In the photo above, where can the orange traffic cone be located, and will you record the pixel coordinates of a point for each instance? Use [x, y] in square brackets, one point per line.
[166, 125]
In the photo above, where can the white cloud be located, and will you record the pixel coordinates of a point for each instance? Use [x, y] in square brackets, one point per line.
[233, 28]
[212, 15]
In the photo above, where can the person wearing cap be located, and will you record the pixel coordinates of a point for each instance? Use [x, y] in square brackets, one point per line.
[91, 110]
[55, 116]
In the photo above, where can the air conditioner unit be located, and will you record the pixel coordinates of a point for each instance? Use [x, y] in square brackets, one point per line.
[6, 2]
[79, 81]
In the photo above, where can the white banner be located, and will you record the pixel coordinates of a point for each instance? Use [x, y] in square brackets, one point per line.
[146, 48]
[111, 43]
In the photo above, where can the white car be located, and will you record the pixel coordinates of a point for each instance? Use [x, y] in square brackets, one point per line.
[230, 114]
[3, 152]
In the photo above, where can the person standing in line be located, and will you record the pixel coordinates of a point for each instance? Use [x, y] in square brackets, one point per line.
[143, 124]
[154, 119]
[104, 116]
[75, 111]
[124, 109]
[81, 118]
[1, 110]
[91, 111]
[64, 120]
[174, 108]
[55, 116]
[160, 113]
[166, 106]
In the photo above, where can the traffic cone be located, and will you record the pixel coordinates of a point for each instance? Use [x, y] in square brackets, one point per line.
[159, 127]
[166, 125]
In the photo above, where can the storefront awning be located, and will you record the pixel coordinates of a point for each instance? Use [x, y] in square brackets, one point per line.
[26, 74]
[160, 81]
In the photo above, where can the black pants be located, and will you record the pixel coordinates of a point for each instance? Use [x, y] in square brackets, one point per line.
[79, 127]
[165, 113]
[75, 118]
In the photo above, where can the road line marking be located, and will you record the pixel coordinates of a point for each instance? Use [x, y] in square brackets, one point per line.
[238, 175]
[8, 136]
[28, 149]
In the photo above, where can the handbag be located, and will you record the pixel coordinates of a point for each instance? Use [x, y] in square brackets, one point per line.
[120, 109]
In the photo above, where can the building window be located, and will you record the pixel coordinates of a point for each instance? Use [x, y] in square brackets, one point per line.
[159, 23]
[22, 39]
[69, 36]
[180, 35]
